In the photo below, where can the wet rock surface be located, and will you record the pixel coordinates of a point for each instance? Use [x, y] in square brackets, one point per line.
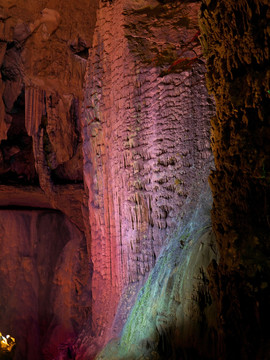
[137, 134]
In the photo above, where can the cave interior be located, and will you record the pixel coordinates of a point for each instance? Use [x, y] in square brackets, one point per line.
[134, 179]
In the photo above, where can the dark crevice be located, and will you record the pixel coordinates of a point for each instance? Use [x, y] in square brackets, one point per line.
[83, 54]
[10, 44]
[17, 164]
[57, 180]
[30, 208]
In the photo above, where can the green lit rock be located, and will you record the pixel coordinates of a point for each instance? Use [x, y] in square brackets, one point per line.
[174, 314]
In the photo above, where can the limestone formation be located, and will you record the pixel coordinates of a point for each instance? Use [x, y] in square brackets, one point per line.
[113, 113]
[43, 281]
[145, 135]
[235, 38]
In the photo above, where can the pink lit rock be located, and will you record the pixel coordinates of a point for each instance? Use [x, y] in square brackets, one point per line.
[146, 148]
[142, 139]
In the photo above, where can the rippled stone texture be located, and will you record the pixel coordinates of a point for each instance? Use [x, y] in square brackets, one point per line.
[143, 134]
[145, 141]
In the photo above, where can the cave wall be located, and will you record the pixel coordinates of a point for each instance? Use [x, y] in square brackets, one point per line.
[137, 135]
[119, 142]
[44, 46]
[43, 51]
[44, 281]
[235, 38]
[145, 142]
[174, 316]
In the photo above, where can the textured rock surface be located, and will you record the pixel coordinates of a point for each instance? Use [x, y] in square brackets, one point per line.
[43, 50]
[236, 44]
[42, 58]
[44, 279]
[145, 140]
[175, 316]
[144, 137]
[66, 198]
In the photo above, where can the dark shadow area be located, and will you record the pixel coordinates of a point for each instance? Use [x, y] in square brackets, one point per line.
[17, 164]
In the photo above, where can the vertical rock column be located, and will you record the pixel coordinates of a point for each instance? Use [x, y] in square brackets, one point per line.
[235, 37]
[35, 108]
[146, 147]
[100, 173]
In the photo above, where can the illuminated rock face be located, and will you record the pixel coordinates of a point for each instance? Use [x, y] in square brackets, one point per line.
[45, 273]
[42, 59]
[137, 134]
[119, 143]
[145, 142]
[44, 279]
[174, 316]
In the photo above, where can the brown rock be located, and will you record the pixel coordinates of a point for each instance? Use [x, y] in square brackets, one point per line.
[44, 293]
[238, 76]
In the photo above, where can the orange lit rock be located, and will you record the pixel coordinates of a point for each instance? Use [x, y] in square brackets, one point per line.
[43, 281]
[41, 61]
[238, 76]
[43, 55]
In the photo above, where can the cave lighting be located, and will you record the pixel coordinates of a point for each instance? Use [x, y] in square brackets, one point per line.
[6, 343]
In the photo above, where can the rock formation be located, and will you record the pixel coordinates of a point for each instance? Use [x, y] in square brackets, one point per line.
[236, 44]
[42, 70]
[44, 261]
[105, 154]
[44, 281]
[145, 134]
